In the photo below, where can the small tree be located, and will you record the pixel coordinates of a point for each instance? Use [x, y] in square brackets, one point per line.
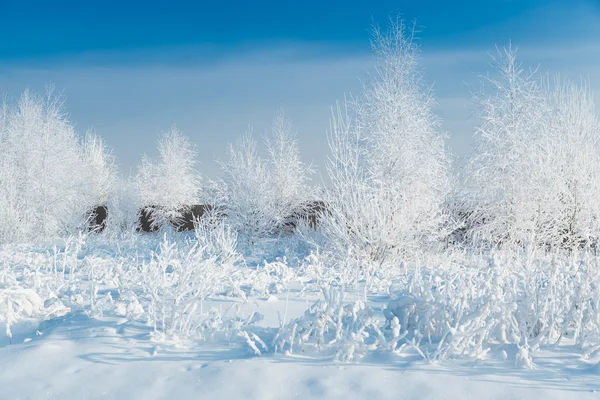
[171, 183]
[101, 170]
[504, 207]
[572, 154]
[289, 175]
[246, 191]
[533, 178]
[124, 207]
[46, 185]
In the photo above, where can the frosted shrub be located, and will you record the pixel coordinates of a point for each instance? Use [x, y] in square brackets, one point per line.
[456, 310]
[46, 284]
[345, 331]
[73, 277]
[16, 304]
[234, 328]
[475, 307]
[178, 279]
[358, 275]
[218, 241]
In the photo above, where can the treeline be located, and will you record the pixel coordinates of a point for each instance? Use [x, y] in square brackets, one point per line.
[532, 180]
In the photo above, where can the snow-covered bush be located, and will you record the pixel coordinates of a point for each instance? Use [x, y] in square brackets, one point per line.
[170, 184]
[522, 300]
[179, 278]
[469, 306]
[49, 179]
[17, 303]
[343, 330]
[47, 283]
[388, 167]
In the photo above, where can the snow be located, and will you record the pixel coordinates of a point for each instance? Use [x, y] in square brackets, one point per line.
[89, 319]
[178, 316]
[376, 302]
[76, 357]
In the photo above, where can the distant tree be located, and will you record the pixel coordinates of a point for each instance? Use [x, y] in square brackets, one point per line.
[289, 176]
[246, 191]
[102, 174]
[172, 182]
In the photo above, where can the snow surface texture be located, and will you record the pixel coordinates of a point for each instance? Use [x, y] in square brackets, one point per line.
[87, 320]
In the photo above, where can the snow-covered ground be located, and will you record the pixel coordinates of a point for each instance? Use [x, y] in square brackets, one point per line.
[98, 318]
[110, 357]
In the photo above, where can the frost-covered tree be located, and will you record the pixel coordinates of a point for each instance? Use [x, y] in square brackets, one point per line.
[246, 191]
[170, 184]
[259, 194]
[45, 171]
[504, 206]
[571, 154]
[533, 178]
[388, 165]
[101, 169]
[289, 175]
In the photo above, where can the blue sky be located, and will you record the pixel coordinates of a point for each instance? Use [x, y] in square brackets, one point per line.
[63, 28]
[131, 69]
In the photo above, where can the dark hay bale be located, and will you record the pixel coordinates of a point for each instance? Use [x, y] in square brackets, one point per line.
[97, 219]
[311, 213]
[189, 215]
[146, 219]
[181, 220]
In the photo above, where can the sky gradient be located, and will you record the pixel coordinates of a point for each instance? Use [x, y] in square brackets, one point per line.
[131, 69]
